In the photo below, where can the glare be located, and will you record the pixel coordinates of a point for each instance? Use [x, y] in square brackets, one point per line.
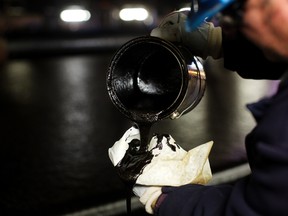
[75, 15]
[130, 14]
[185, 9]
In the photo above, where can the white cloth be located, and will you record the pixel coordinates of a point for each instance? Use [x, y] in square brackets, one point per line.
[171, 165]
[118, 150]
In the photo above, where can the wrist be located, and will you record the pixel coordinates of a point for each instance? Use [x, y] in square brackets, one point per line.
[149, 198]
[158, 202]
[215, 42]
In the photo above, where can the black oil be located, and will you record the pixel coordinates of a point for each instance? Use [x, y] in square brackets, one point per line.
[136, 158]
[148, 89]
[146, 81]
[129, 193]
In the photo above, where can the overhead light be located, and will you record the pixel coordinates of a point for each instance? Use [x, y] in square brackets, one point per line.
[75, 14]
[133, 13]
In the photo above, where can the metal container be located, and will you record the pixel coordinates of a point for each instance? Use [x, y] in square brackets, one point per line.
[150, 79]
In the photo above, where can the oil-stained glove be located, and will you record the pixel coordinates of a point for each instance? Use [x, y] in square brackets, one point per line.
[204, 41]
[165, 164]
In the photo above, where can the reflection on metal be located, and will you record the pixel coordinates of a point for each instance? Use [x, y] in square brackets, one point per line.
[195, 90]
[150, 79]
[75, 14]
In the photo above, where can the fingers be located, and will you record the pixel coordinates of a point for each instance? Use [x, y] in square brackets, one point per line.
[169, 34]
[118, 150]
[169, 28]
[173, 18]
[263, 23]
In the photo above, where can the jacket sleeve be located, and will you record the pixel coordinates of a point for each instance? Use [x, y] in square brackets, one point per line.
[264, 192]
[248, 60]
[192, 199]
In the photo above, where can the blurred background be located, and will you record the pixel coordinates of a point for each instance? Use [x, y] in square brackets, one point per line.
[57, 121]
[33, 26]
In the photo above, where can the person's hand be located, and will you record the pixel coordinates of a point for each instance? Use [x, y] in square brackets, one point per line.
[127, 158]
[118, 150]
[264, 22]
[205, 41]
[164, 164]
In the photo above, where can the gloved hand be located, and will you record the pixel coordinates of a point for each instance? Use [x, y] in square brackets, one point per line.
[205, 41]
[169, 165]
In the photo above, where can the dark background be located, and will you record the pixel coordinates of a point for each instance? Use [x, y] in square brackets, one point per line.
[57, 121]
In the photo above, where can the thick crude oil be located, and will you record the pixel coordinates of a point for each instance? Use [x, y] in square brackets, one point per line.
[134, 161]
[145, 82]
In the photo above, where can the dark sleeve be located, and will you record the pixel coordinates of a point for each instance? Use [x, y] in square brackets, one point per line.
[264, 192]
[267, 151]
[194, 199]
[248, 60]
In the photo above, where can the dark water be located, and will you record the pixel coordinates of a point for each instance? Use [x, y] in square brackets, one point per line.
[57, 123]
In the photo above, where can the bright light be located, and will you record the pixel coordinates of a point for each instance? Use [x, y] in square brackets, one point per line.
[75, 15]
[185, 9]
[130, 14]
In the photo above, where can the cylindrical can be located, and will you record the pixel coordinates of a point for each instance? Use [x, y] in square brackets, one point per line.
[150, 79]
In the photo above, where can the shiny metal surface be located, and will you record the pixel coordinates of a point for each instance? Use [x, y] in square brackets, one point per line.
[195, 88]
[150, 79]
[57, 123]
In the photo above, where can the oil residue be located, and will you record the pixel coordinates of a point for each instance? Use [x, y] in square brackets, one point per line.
[145, 81]
[136, 158]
